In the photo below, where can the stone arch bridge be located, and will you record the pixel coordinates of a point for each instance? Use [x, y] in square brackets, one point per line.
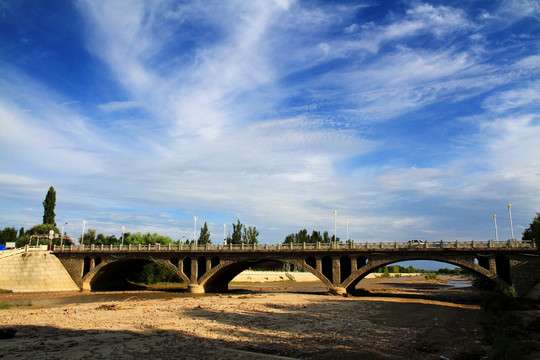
[339, 266]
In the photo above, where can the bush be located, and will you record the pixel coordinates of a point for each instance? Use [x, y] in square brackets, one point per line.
[431, 276]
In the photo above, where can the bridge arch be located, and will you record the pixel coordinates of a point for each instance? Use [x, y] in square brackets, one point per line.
[469, 264]
[113, 274]
[219, 277]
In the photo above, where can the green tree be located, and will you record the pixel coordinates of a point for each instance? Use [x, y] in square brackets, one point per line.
[204, 237]
[250, 235]
[145, 239]
[89, 237]
[41, 229]
[48, 205]
[316, 237]
[533, 231]
[9, 234]
[236, 237]
[290, 239]
[326, 238]
[302, 237]
[100, 239]
[21, 232]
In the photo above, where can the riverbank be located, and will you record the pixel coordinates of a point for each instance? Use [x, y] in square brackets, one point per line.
[272, 276]
[244, 326]
[396, 318]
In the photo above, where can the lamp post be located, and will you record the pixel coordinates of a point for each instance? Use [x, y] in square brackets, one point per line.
[82, 236]
[347, 223]
[510, 214]
[194, 226]
[122, 243]
[496, 232]
[224, 234]
[335, 214]
[62, 235]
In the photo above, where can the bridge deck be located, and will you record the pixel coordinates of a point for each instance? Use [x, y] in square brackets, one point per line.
[365, 246]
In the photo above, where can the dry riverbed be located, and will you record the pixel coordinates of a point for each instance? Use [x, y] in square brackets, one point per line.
[253, 325]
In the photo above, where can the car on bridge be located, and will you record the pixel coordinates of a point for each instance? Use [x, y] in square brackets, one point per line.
[416, 243]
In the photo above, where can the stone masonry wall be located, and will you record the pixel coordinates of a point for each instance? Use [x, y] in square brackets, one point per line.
[34, 271]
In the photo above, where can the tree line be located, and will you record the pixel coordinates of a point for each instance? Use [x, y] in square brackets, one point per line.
[241, 233]
[303, 237]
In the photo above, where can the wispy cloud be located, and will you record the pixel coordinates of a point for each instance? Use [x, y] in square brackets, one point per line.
[118, 105]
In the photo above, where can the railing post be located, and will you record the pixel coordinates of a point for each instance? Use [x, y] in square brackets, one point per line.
[266, 246]
[490, 243]
[279, 246]
[473, 243]
[318, 245]
[457, 244]
[304, 245]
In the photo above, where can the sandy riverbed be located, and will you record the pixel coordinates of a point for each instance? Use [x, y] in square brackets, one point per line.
[252, 325]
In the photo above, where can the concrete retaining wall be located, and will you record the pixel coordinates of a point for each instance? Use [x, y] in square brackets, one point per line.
[34, 271]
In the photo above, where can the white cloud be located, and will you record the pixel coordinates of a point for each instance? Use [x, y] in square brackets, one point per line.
[118, 105]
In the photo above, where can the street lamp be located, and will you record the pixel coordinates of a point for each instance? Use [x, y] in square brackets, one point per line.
[194, 226]
[511, 226]
[62, 235]
[496, 232]
[347, 223]
[123, 228]
[82, 236]
[224, 234]
[335, 214]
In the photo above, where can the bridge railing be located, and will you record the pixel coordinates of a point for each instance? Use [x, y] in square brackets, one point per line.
[473, 244]
[27, 248]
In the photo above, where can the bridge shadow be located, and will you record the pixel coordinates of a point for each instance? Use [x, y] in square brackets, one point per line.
[250, 326]
[48, 342]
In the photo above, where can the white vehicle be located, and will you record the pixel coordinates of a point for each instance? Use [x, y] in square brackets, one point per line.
[416, 243]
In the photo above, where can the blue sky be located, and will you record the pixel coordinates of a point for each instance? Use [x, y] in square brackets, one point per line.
[411, 119]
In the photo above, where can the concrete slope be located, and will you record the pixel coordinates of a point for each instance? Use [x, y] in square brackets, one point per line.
[34, 271]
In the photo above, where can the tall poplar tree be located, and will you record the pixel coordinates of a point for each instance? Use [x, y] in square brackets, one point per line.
[204, 238]
[48, 207]
[237, 233]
